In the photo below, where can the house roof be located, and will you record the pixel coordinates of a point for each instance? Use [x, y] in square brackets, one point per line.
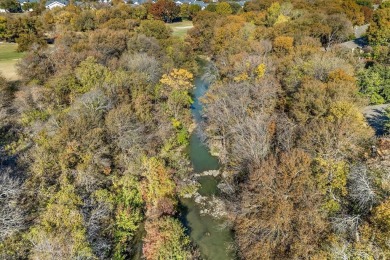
[64, 2]
[201, 3]
[54, 3]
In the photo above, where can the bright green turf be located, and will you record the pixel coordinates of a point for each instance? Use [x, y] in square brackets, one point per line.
[8, 51]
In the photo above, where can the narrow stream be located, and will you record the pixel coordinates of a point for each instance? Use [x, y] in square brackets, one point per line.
[209, 234]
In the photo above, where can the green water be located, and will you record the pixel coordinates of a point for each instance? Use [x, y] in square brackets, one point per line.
[212, 238]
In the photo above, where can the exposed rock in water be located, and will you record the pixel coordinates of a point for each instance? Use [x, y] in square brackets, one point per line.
[199, 199]
[211, 206]
[213, 173]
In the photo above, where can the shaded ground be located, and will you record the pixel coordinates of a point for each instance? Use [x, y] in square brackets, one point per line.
[361, 39]
[376, 117]
[180, 28]
[8, 59]
[357, 43]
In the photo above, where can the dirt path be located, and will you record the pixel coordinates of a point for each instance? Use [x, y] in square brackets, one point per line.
[183, 27]
[8, 69]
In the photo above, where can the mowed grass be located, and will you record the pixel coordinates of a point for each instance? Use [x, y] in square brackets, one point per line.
[8, 59]
[180, 28]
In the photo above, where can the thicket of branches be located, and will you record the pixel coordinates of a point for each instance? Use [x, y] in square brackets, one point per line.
[93, 138]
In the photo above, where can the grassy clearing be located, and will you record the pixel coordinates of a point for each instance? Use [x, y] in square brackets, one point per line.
[180, 28]
[8, 59]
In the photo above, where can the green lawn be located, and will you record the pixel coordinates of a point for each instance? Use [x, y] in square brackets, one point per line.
[180, 28]
[8, 59]
[8, 51]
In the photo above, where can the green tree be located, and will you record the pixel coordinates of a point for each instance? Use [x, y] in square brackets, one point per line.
[193, 10]
[155, 28]
[176, 87]
[211, 7]
[12, 6]
[374, 83]
[379, 30]
[60, 232]
[223, 8]
[90, 74]
[25, 41]
[85, 21]
[3, 27]
[128, 213]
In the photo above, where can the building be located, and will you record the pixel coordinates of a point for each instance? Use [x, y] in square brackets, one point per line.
[56, 3]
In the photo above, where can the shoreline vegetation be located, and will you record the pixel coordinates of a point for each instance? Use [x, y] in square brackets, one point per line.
[99, 152]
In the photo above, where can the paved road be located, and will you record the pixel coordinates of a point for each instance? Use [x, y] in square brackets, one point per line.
[360, 41]
[360, 31]
[376, 117]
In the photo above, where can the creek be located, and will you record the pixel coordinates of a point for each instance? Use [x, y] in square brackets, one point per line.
[209, 234]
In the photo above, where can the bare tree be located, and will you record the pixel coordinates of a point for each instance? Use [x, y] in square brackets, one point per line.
[252, 138]
[346, 224]
[142, 63]
[11, 215]
[97, 215]
[285, 132]
[361, 190]
[238, 118]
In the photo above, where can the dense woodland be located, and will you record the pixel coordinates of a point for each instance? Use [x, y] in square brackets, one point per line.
[93, 138]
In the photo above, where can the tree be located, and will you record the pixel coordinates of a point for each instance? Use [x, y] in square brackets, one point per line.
[379, 30]
[128, 212]
[238, 120]
[109, 43]
[223, 8]
[60, 232]
[374, 82]
[211, 7]
[90, 74]
[338, 29]
[189, 10]
[157, 187]
[193, 10]
[165, 10]
[257, 5]
[280, 216]
[155, 28]
[166, 239]
[184, 10]
[283, 44]
[85, 21]
[361, 189]
[12, 218]
[12, 6]
[203, 30]
[273, 13]
[176, 87]
[26, 41]
[36, 65]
